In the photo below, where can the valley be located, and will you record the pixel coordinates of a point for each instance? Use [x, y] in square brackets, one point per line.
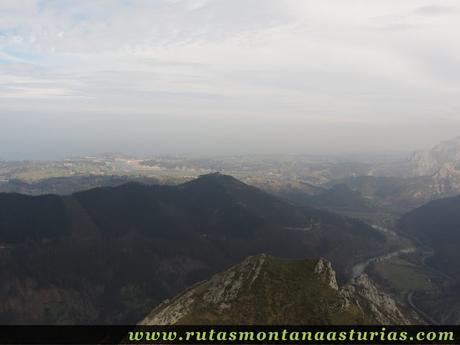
[109, 237]
[161, 216]
[209, 162]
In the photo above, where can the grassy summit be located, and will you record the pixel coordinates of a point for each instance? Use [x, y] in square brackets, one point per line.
[268, 290]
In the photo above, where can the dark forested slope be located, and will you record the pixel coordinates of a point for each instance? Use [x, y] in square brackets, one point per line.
[109, 255]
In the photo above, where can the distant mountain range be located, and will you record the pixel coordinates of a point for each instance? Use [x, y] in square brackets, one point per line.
[392, 185]
[393, 194]
[65, 185]
[405, 185]
[268, 290]
[110, 255]
[339, 198]
[440, 161]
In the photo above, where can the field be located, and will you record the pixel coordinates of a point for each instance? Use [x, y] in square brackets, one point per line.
[402, 277]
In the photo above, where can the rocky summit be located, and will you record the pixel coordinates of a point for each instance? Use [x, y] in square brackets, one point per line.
[268, 290]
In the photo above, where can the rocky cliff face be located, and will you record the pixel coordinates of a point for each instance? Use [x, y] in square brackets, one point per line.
[325, 273]
[382, 307]
[445, 154]
[442, 163]
[268, 290]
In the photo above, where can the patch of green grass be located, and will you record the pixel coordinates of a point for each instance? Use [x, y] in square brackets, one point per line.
[404, 276]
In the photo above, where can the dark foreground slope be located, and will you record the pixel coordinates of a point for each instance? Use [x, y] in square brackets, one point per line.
[268, 290]
[109, 255]
[437, 225]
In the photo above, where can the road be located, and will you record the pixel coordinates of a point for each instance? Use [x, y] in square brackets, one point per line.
[411, 303]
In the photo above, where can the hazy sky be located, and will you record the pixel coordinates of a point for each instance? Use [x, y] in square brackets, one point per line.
[227, 76]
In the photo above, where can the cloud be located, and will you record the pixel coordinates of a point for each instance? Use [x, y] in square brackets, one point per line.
[290, 61]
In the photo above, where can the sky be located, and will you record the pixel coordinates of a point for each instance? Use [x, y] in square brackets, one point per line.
[227, 76]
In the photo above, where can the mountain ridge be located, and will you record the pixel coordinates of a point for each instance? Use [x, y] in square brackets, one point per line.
[268, 290]
[92, 266]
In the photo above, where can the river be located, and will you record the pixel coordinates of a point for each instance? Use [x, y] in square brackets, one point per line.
[360, 268]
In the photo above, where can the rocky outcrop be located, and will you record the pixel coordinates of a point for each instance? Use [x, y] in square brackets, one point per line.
[326, 274]
[267, 290]
[171, 312]
[363, 292]
[222, 290]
